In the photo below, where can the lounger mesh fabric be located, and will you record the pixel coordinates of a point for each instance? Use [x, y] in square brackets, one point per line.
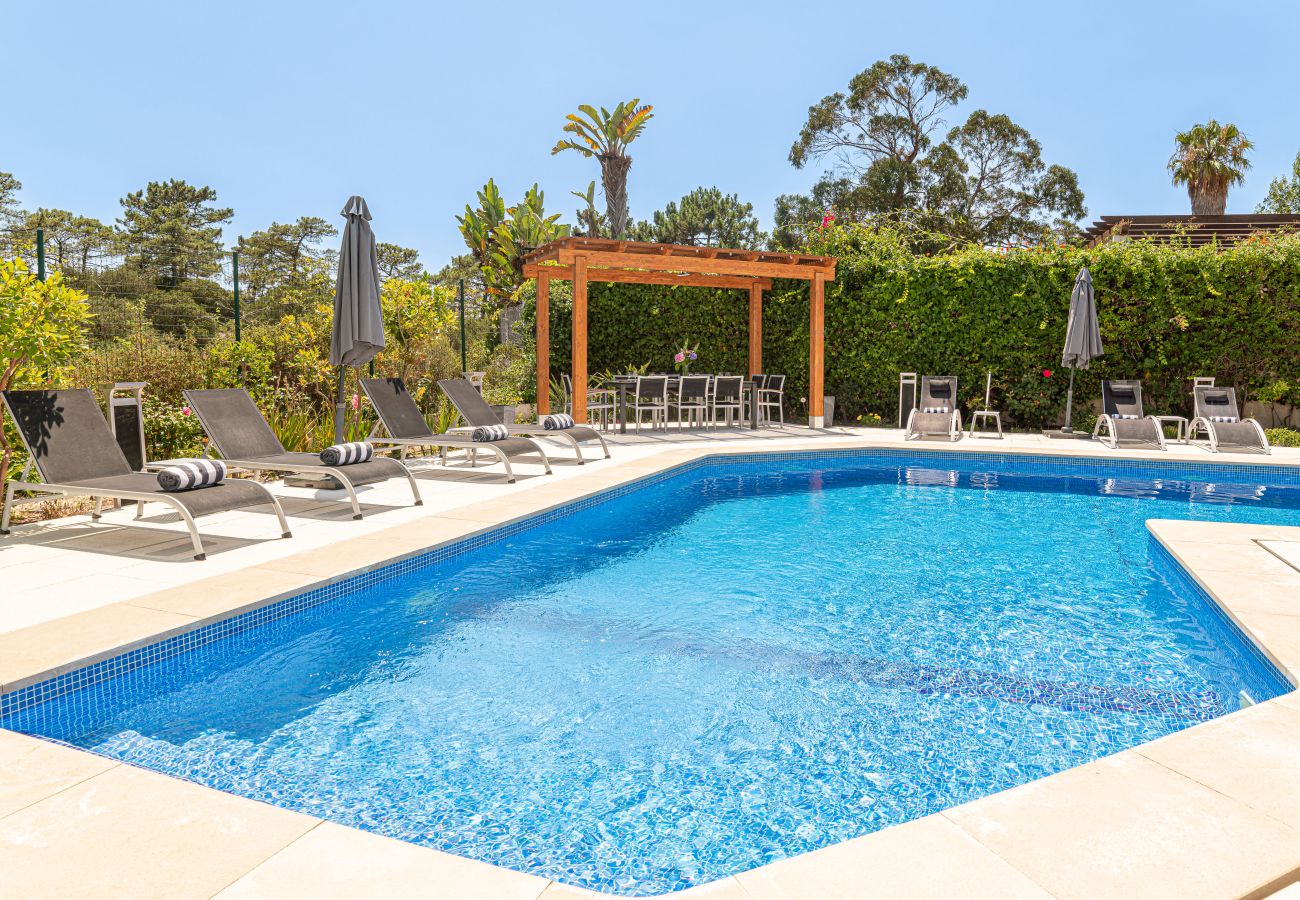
[938, 399]
[236, 424]
[1218, 405]
[72, 445]
[403, 420]
[68, 435]
[189, 474]
[347, 454]
[475, 411]
[1121, 399]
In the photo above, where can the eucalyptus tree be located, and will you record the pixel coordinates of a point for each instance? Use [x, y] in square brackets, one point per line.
[1283, 193]
[1209, 159]
[605, 134]
[982, 181]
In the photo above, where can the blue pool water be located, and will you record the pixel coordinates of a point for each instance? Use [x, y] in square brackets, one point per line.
[743, 662]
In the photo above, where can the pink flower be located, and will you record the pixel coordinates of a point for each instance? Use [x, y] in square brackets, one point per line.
[680, 357]
[356, 402]
[828, 220]
[185, 411]
[1047, 373]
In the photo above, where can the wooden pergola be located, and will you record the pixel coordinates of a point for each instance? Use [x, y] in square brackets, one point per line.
[583, 260]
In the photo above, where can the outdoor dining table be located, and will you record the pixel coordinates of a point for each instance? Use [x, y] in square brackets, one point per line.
[625, 383]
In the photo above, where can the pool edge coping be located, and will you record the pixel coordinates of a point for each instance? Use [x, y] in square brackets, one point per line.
[1215, 558]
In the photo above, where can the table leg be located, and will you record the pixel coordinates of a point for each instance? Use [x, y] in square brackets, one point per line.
[753, 408]
[622, 409]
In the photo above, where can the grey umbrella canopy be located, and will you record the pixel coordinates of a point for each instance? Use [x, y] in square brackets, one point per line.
[358, 318]
[1082, 335]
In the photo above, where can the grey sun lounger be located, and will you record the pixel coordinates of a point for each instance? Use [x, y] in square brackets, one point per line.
[245, 440]
[1217, 415]
[936, 414]
[475, 411]
[404, 426]
[70, 444]
[1123, 419]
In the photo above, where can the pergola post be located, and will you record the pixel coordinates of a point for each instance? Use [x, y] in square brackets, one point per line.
[579, 374]
[755, 328]
[543, 344]
[816, 341]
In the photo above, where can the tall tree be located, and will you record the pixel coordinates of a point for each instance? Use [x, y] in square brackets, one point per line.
[173, 231]
[73, 243]
[283, 255]
[9, 188]
[705, 217]
[1209, 159]
[984, 180]
[606, 136]
[1283, 193]
[398, 262]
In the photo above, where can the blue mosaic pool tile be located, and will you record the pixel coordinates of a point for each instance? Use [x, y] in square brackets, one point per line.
[957, 461]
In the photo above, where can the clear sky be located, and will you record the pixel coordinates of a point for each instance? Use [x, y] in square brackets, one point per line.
[287, 108]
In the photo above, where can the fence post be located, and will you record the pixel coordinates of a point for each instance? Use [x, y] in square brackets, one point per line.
[40, 253]
[464, 366]
[235, 255]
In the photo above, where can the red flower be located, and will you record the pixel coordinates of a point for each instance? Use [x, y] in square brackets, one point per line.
[1047, 373]
[828, 220]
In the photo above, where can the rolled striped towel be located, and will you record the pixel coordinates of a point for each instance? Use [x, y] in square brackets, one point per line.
[347, 454]
[1223, 418]
[486, 433]
[935, 409]
[557, 422]
[1124, 416]
[189, 474]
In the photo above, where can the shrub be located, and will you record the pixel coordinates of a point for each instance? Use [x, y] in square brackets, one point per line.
[1283, 437]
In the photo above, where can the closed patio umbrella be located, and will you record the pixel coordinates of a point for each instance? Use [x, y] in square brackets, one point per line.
[1082, 335]
[358, 318]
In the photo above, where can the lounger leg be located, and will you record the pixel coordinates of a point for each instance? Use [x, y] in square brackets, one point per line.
[279, 511]
[99, 503]
[9, 506]
[603, 446]
[577, 448]
[410, 479]
[505, 461]
[199, 554]
[352, 492]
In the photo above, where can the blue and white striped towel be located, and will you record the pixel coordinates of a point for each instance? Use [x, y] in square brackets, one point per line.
[557, 422]
[1222, 418]
[935, 409]
[189, 474]
[486, 433]
[347, 454]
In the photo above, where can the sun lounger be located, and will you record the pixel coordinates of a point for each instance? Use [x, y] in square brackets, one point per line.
[937, 414]
[1217, 415]
[71, 446]
[475, 411]
[245, 440]
[404, 426]
[1123, 419]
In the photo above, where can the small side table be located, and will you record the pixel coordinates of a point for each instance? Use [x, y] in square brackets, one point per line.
[1180, 422]
[983, 415]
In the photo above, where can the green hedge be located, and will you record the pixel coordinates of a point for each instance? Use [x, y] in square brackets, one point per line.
[1167, 314]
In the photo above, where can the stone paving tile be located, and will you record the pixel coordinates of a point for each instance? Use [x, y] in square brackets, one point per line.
[32, 769]
[1128, 827]
[332, 861]
[131, 833]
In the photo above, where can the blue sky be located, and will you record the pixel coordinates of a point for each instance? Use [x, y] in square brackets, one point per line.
[287, 108]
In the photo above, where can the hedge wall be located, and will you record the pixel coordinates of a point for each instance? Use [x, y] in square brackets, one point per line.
[1167, 313]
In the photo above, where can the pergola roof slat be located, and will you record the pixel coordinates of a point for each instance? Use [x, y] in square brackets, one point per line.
[606, 253]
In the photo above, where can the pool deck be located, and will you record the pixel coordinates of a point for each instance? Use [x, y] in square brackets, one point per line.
[1212, 811]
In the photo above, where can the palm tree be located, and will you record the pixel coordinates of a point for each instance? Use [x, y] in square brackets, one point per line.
[605, 135]
[1209, 159]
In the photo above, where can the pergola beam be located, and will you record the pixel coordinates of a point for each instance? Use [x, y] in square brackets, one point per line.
[607, 259]
[637, 276]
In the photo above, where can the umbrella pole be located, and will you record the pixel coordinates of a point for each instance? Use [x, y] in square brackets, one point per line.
[1069, 404]
[339, 407]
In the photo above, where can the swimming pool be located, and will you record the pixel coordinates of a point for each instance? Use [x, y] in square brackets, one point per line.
[750, 659]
